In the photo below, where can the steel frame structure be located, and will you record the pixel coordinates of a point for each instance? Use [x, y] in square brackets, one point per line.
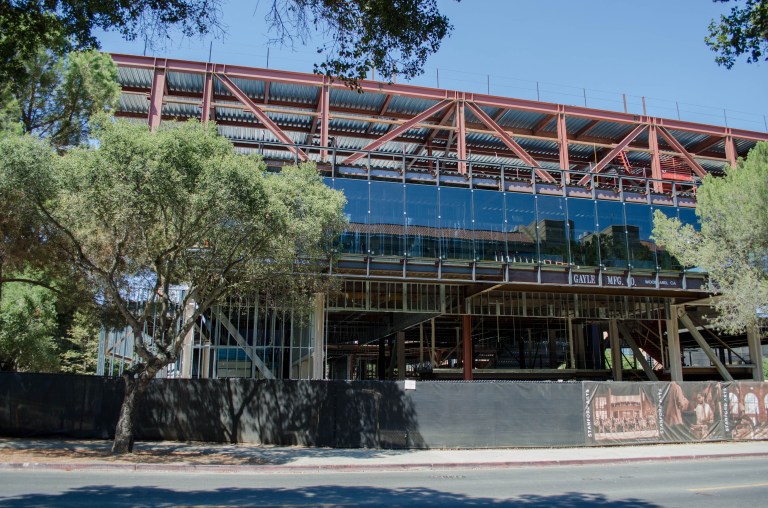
[462, 125]
[562, 149]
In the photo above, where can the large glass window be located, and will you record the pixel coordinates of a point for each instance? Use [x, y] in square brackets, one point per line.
[665, 260]
[551, 225]
[456, 223]
[612, 234]
[581, 224]
[688, 216]
[642, 252]
[386, 219]
[421, 220]
[521, 228]
[489, 225]
[355, 239]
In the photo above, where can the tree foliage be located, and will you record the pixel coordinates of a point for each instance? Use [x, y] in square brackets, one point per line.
[28, 325]
[27, 26]
[743, 31]
[732, 245]
[394, 37]
[55, 96]
[177, 208]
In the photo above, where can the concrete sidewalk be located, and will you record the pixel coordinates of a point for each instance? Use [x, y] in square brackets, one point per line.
[44, 454]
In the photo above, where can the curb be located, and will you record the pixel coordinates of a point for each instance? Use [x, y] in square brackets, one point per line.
[298, 469]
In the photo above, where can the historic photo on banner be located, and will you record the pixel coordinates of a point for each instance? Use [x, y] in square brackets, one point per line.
[621, 412]
[691, 411]
[745, 407]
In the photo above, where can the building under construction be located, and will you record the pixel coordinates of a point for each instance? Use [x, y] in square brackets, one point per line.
[489, 237]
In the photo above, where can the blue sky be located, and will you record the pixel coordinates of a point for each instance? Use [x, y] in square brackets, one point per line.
[601, 48]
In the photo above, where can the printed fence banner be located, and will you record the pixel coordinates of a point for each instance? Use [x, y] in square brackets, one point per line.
[616, 413]
[691, 411]
[745, 409]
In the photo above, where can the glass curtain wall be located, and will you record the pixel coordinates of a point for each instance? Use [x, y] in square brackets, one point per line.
[461, 224]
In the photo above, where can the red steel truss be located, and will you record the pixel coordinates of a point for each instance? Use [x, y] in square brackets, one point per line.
[454, 124]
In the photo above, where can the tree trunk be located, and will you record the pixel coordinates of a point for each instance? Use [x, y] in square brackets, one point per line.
[134, 389]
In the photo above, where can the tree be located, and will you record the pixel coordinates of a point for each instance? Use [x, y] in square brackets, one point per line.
[394, 37]
[744, 31]
[27, 26]
[732, 245]
[180, 208]
[55, 96]
[27, 328]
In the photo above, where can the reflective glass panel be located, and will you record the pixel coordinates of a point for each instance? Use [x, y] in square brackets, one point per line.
[612, 234]
[688, 216]
[422, 224]
[489, 225]
[456, 223]
[386, 219]
[550, 222]
[355, 239]
[521, 228]
[642, 250]
[664, 258]
[581, 225]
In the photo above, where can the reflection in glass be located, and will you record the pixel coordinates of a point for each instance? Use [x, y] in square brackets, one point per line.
[455, 223]
[422, 224]
[355, 239]
[521, 228]
[688, 216]
[489, 226]
[612, 234]
[386, 219]
[665, 259]
[551, 217]
[642, 250]
[581, 222]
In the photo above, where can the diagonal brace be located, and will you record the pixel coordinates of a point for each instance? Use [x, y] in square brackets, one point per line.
[399, 130]
[683, 317]
[511, 143]
[616, 150]
[261, 115]
[679, 148]
[256, 359]
[624, 331]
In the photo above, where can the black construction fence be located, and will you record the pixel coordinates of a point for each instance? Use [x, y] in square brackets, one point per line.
[389, 414]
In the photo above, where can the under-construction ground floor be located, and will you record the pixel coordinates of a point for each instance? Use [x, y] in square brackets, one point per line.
[370, 330]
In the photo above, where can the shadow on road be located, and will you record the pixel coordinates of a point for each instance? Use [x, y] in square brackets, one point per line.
[330, 495]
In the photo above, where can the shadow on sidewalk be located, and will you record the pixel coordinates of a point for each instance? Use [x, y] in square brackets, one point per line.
[106, 495]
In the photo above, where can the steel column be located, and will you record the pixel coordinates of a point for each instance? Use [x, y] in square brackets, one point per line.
[466, 334]
[730, 150]
[653, 145]
[156, 99]
[673, 346]
[400, 355]
[325, 110]
[205, 114]
[461, 141]
[617, 367]
[755, 353]
[562, 139]
[318, 326]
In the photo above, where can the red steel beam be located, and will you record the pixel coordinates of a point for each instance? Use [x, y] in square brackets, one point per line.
[562, 139]
[399, 130]
[205, 114]
[613, 153]
[325, 110]
[730, 151]
[679, 148]
[511, 143]
[156, 98]
[433, 94]
[461, 138]
[262, 116]
[653, 145]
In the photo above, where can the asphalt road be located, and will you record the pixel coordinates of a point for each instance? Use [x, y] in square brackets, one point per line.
[686, 483]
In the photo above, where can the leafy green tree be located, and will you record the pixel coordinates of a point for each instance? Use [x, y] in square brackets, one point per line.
[744, 31]
[55, 97]
[732, 245]
[179, 208]
[79, 345]
[27, 328]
